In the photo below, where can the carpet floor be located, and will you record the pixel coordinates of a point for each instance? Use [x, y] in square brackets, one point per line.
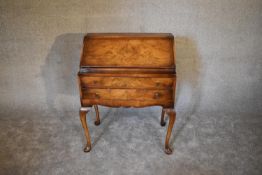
[130, 141]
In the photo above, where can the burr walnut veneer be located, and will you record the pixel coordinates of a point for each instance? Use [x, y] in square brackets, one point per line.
[127, 70]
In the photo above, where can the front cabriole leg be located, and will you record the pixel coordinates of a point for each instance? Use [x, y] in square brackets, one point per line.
[172, 117]
[82, 112]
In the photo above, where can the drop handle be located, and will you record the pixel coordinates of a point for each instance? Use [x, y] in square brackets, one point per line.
[84, 87]
[157, 95]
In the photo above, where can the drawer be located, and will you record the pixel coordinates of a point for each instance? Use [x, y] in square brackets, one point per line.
[127, 103]
[127, 94]
[126, 82]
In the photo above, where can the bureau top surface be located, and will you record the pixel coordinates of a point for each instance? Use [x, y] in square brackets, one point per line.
[135, 50]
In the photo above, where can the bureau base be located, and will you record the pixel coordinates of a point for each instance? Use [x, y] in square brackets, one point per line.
[169, 111]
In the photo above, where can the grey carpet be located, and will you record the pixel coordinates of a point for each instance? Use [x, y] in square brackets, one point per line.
[130, 141]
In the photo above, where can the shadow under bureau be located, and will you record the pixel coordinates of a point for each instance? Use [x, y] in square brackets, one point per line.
[127, 70]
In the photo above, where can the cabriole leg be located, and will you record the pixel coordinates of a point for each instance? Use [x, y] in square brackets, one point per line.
[172, 117]
[162, 120]
[97, 122]
[82, 113]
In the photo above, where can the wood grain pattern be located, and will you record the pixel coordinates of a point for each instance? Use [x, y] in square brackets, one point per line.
[127, 51]
[127, 94]
[128, 70]
[127, 103]
[126, 82]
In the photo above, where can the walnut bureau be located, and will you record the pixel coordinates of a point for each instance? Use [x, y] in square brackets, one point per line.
[128, 70]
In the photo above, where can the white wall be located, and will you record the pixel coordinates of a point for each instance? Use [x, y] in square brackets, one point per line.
[218, 43]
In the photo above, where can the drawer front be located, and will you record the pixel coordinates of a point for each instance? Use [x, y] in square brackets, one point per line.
[127, 103]
[127, 94]
[126, 82]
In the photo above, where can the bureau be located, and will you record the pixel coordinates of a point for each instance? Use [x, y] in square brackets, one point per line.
[127, 70]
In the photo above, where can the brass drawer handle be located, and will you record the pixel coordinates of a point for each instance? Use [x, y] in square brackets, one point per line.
[157, 95]
[84, 87]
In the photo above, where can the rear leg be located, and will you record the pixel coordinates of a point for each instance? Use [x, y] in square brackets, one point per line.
[97, 122]
[162, 121]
